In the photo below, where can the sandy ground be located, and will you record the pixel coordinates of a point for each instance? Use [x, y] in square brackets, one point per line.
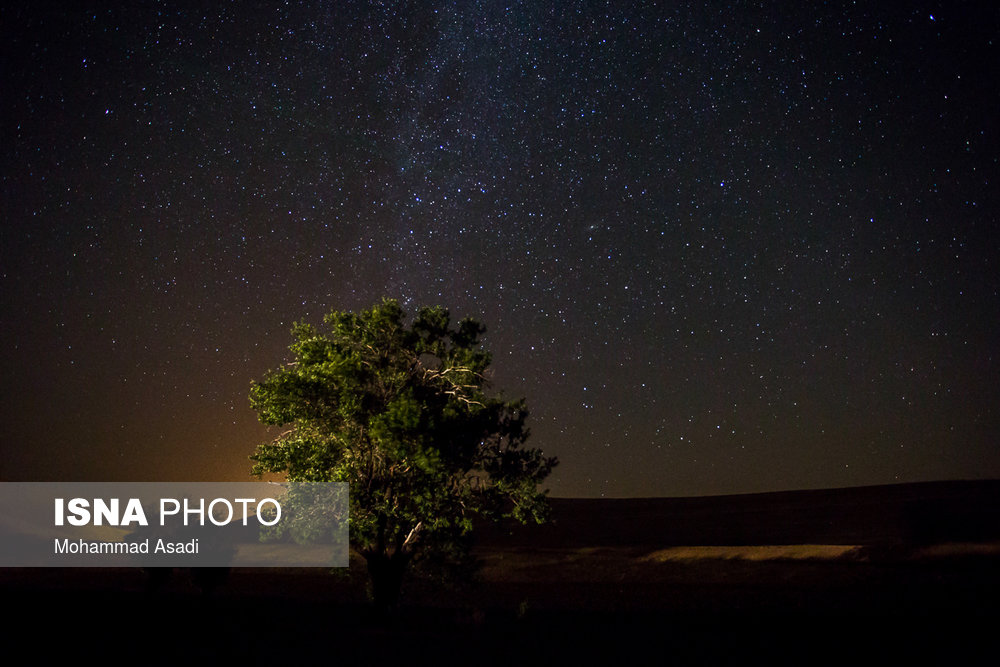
[569, 595]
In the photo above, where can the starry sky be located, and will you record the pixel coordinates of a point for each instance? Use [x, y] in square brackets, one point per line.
[720, 247]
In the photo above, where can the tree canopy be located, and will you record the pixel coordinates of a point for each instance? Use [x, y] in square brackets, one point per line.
[401, 412]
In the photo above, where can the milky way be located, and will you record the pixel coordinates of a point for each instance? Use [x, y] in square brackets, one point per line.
[718, 247]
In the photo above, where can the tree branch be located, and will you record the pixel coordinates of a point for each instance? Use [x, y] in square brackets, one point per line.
[413, 533]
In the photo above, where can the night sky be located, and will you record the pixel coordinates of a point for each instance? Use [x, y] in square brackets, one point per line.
[719, 247]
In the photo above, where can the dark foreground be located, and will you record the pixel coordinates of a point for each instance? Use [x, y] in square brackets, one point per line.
[931, 613]
[539, 600]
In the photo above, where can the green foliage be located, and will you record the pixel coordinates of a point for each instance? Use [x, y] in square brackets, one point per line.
[402, 414]
[311, 513]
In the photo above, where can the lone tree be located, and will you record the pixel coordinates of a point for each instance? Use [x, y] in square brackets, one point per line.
[402, 414]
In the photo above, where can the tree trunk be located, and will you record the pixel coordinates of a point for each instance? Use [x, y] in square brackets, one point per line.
[386, 574]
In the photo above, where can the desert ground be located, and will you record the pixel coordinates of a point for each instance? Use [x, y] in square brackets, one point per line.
[904, 574]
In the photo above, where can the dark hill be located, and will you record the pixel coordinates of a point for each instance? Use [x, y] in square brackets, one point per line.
[903, 514]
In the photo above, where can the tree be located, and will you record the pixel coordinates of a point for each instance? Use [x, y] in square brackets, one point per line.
[403, 415]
